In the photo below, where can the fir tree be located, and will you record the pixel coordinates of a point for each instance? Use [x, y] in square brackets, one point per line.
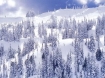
[98, 55]
[91, 44]
[68, 67]
[1, 51]
[13, 70]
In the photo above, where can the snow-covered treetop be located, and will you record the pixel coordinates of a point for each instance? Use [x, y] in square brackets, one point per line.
[30, 14]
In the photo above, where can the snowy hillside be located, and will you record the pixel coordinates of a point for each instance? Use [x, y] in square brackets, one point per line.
[10, 19]
[89, 13]
[66, 43]
[75, 12]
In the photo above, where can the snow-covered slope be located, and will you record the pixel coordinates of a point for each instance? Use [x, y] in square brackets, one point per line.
[79, 14]
[66, 45]
[89, 13]
[10, 19]
[75, 12]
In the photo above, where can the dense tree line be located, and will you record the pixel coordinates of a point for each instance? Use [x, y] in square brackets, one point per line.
[52, 63]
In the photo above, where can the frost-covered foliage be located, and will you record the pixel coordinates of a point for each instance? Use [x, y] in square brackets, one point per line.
[29, 46]
[98, 55]
[53, 22]
[1, 51]
[11, 52]
[13, 70]
[91, 44]
[103, 67]
[30, 67]
[85, 58]
[30, 14]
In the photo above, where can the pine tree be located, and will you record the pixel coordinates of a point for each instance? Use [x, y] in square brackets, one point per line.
[63, 69]
[10, 36]
[3, 32]
[11, 52]
[44, 72]
[103, 67]
[5, 74]
[90, 24]
[94, 70]
[19, 65]
[68, 67]
[25, 32]
[80, 57]
[85, 65]
[103, 24]
[32, 30]
[30, 14]
[28, 67]
[87, 73]
[60, 24]
[28, 47]
[25, 49]
[54, 22]
[66, 31]
[98, 55]
[18, 32]
[58, 63]
[30, 44]
[44, 32]
[40, 30]
[50, 67]
[91, 44]
[45, 55]
[1, 51]
[33, 65]
[13, 70]
[76, 49]
[66, 34]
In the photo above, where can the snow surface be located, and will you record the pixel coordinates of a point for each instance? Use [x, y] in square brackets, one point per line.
[10, 19]
[64, 44]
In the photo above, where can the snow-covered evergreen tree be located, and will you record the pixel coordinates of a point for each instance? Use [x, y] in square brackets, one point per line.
[58, 63]
[30, 13]
[32, 30]
[103, 67]
[5, 72]
[50, 67]
[33, 65]
[13, 70]
[45, 55]
[53, 22]
[18, 32]
[66, 27]
[91, 44]
[60, 24]
[28, 47]
[19, 64]
[11, 52]
[1, 51]
[66, 34]
[28, 67]
[68, 66]
[98, 55]
[40, 30]
[94, 70]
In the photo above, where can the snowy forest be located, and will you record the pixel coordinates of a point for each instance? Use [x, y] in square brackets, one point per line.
[63, 48]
